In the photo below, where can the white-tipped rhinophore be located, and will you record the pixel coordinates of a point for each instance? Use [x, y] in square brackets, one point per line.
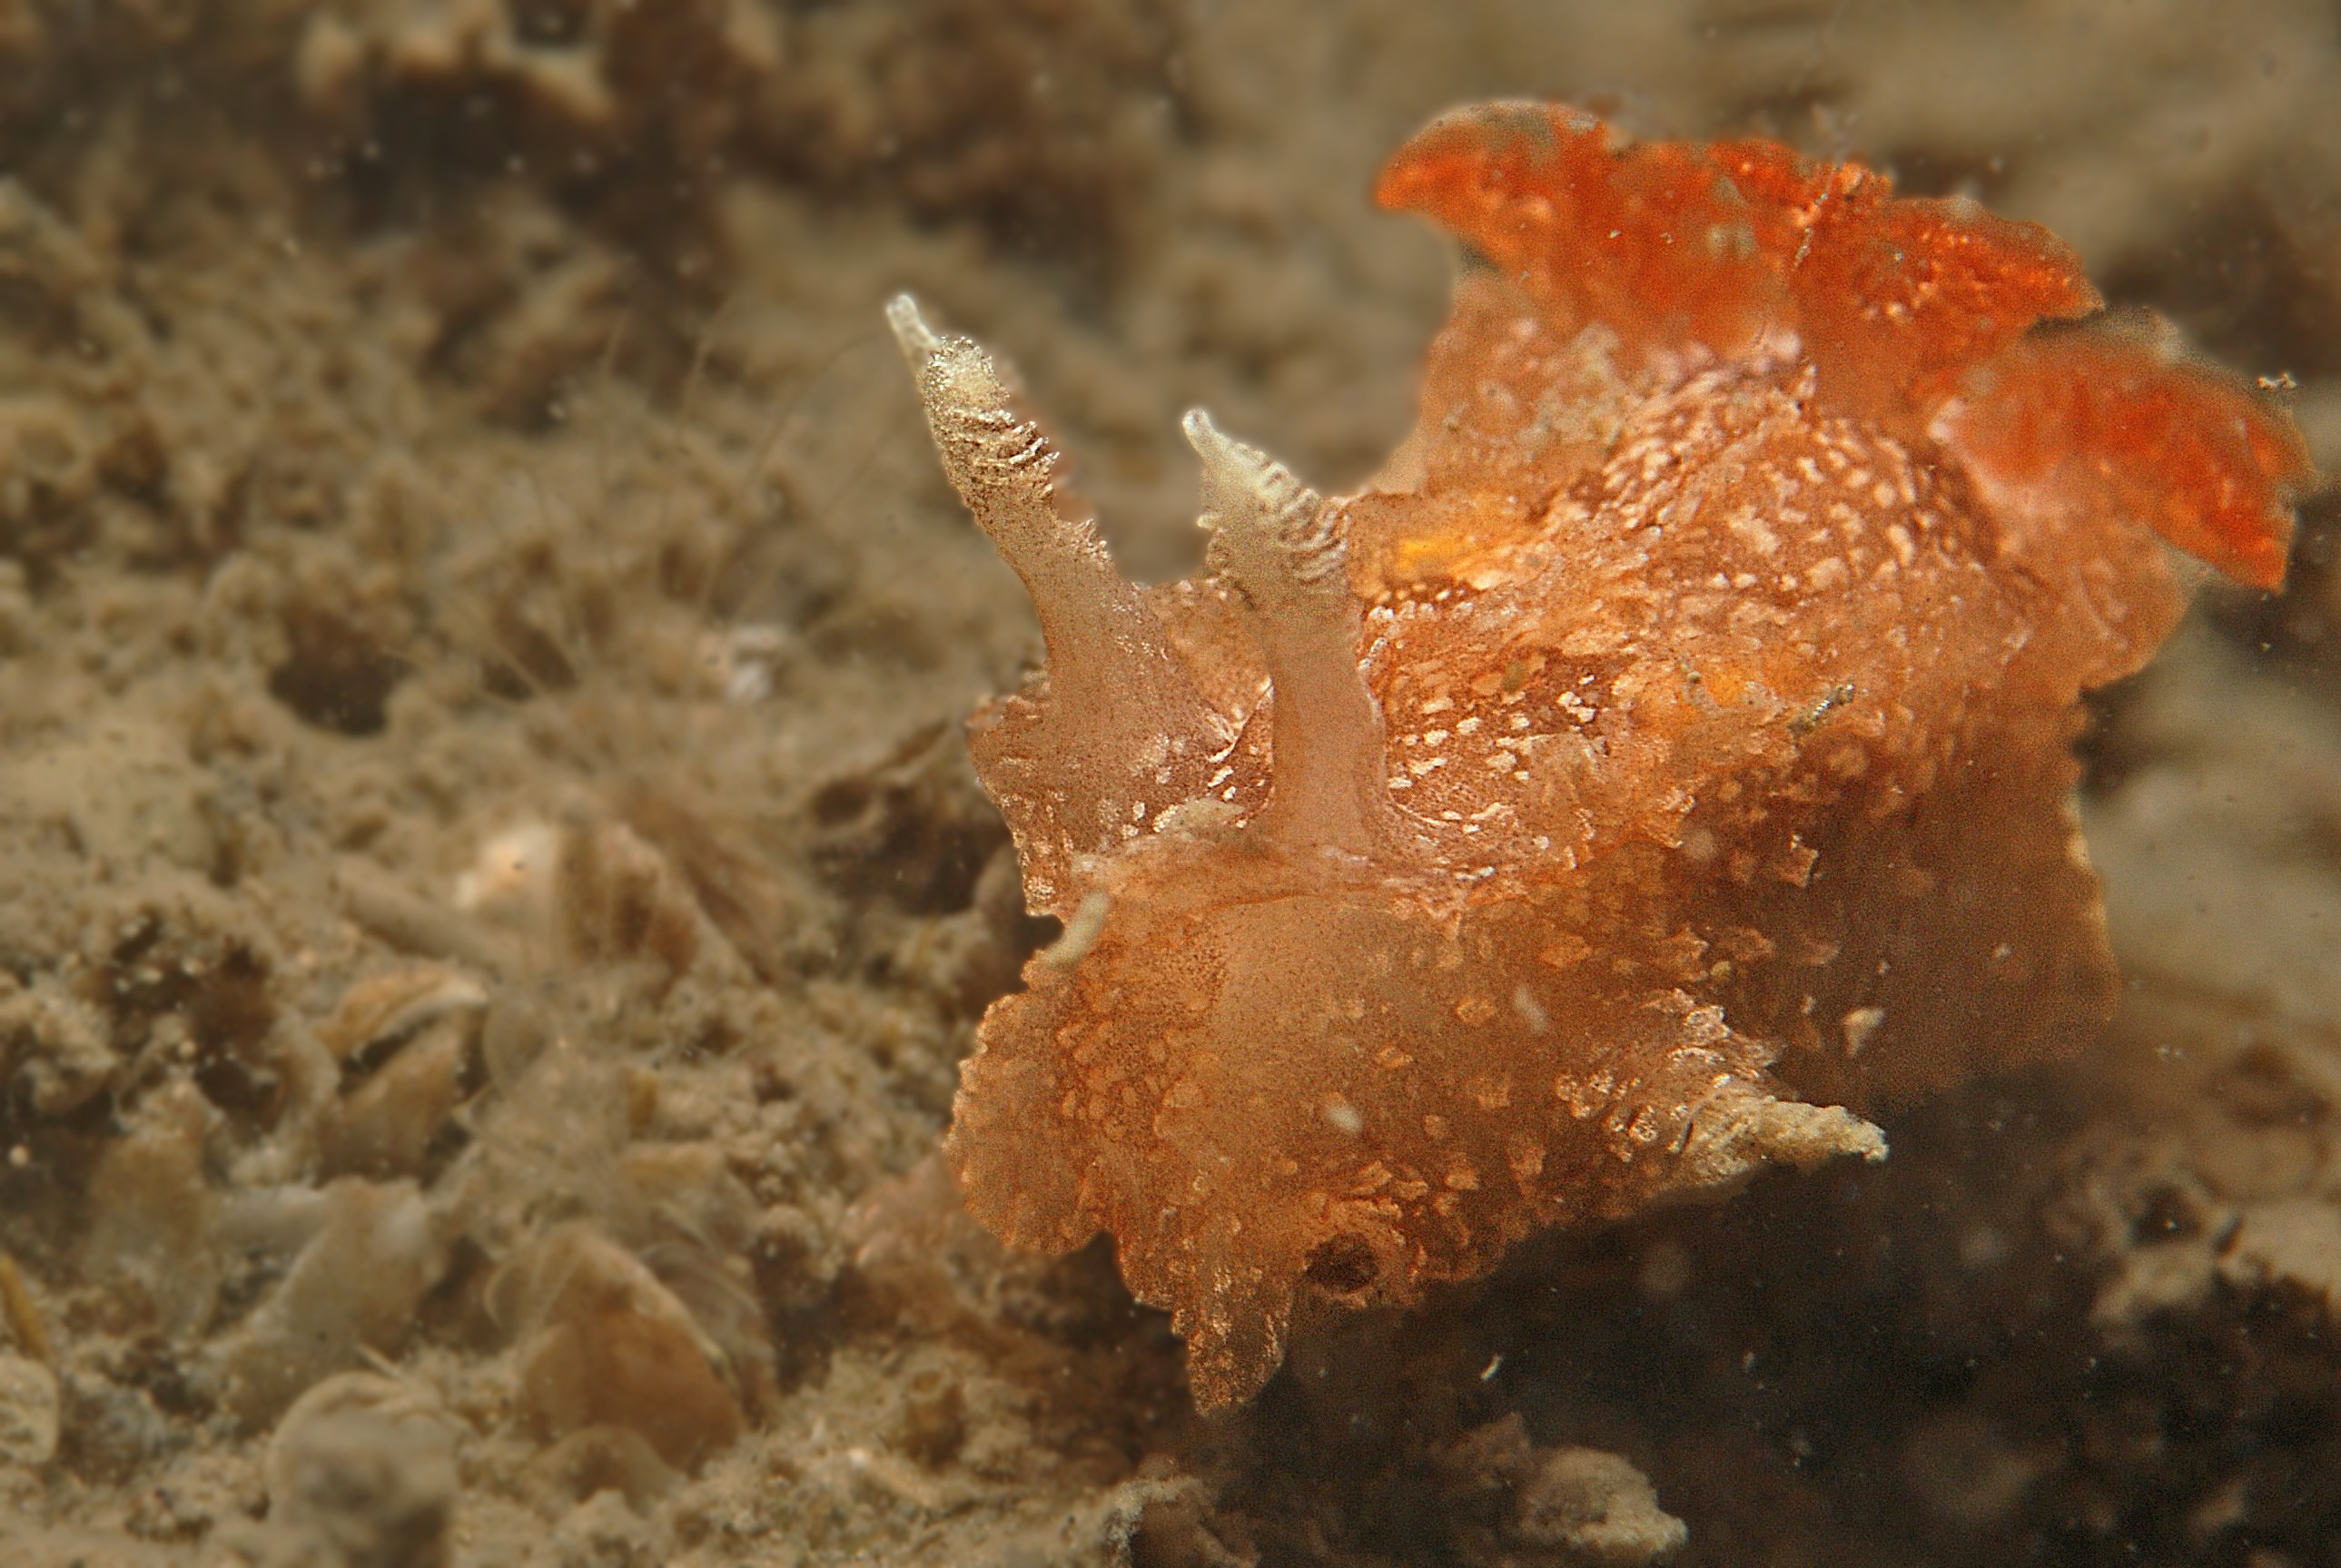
[911, 329]
[1280, 545]
[1272, 535]
[1122, 723]
[1001, 465]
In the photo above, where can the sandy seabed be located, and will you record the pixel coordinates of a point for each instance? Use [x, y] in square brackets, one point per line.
[496, 896]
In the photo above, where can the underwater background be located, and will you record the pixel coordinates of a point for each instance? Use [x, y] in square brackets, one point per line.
[493, 898]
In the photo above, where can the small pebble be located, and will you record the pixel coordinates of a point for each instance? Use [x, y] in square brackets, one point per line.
[28, 1411]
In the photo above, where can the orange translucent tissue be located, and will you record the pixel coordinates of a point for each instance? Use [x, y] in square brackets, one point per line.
[1661, 765]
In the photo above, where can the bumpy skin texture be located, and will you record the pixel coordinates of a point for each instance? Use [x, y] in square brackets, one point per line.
[1663, 762]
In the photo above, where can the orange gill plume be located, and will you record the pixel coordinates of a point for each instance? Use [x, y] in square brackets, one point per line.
[1662, 764]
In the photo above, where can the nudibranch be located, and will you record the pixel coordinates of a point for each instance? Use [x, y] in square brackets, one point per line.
[1661, 765]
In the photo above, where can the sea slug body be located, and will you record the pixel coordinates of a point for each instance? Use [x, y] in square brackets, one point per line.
[1661, 765]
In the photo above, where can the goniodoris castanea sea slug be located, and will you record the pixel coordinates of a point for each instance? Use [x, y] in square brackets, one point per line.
[1664, 762]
